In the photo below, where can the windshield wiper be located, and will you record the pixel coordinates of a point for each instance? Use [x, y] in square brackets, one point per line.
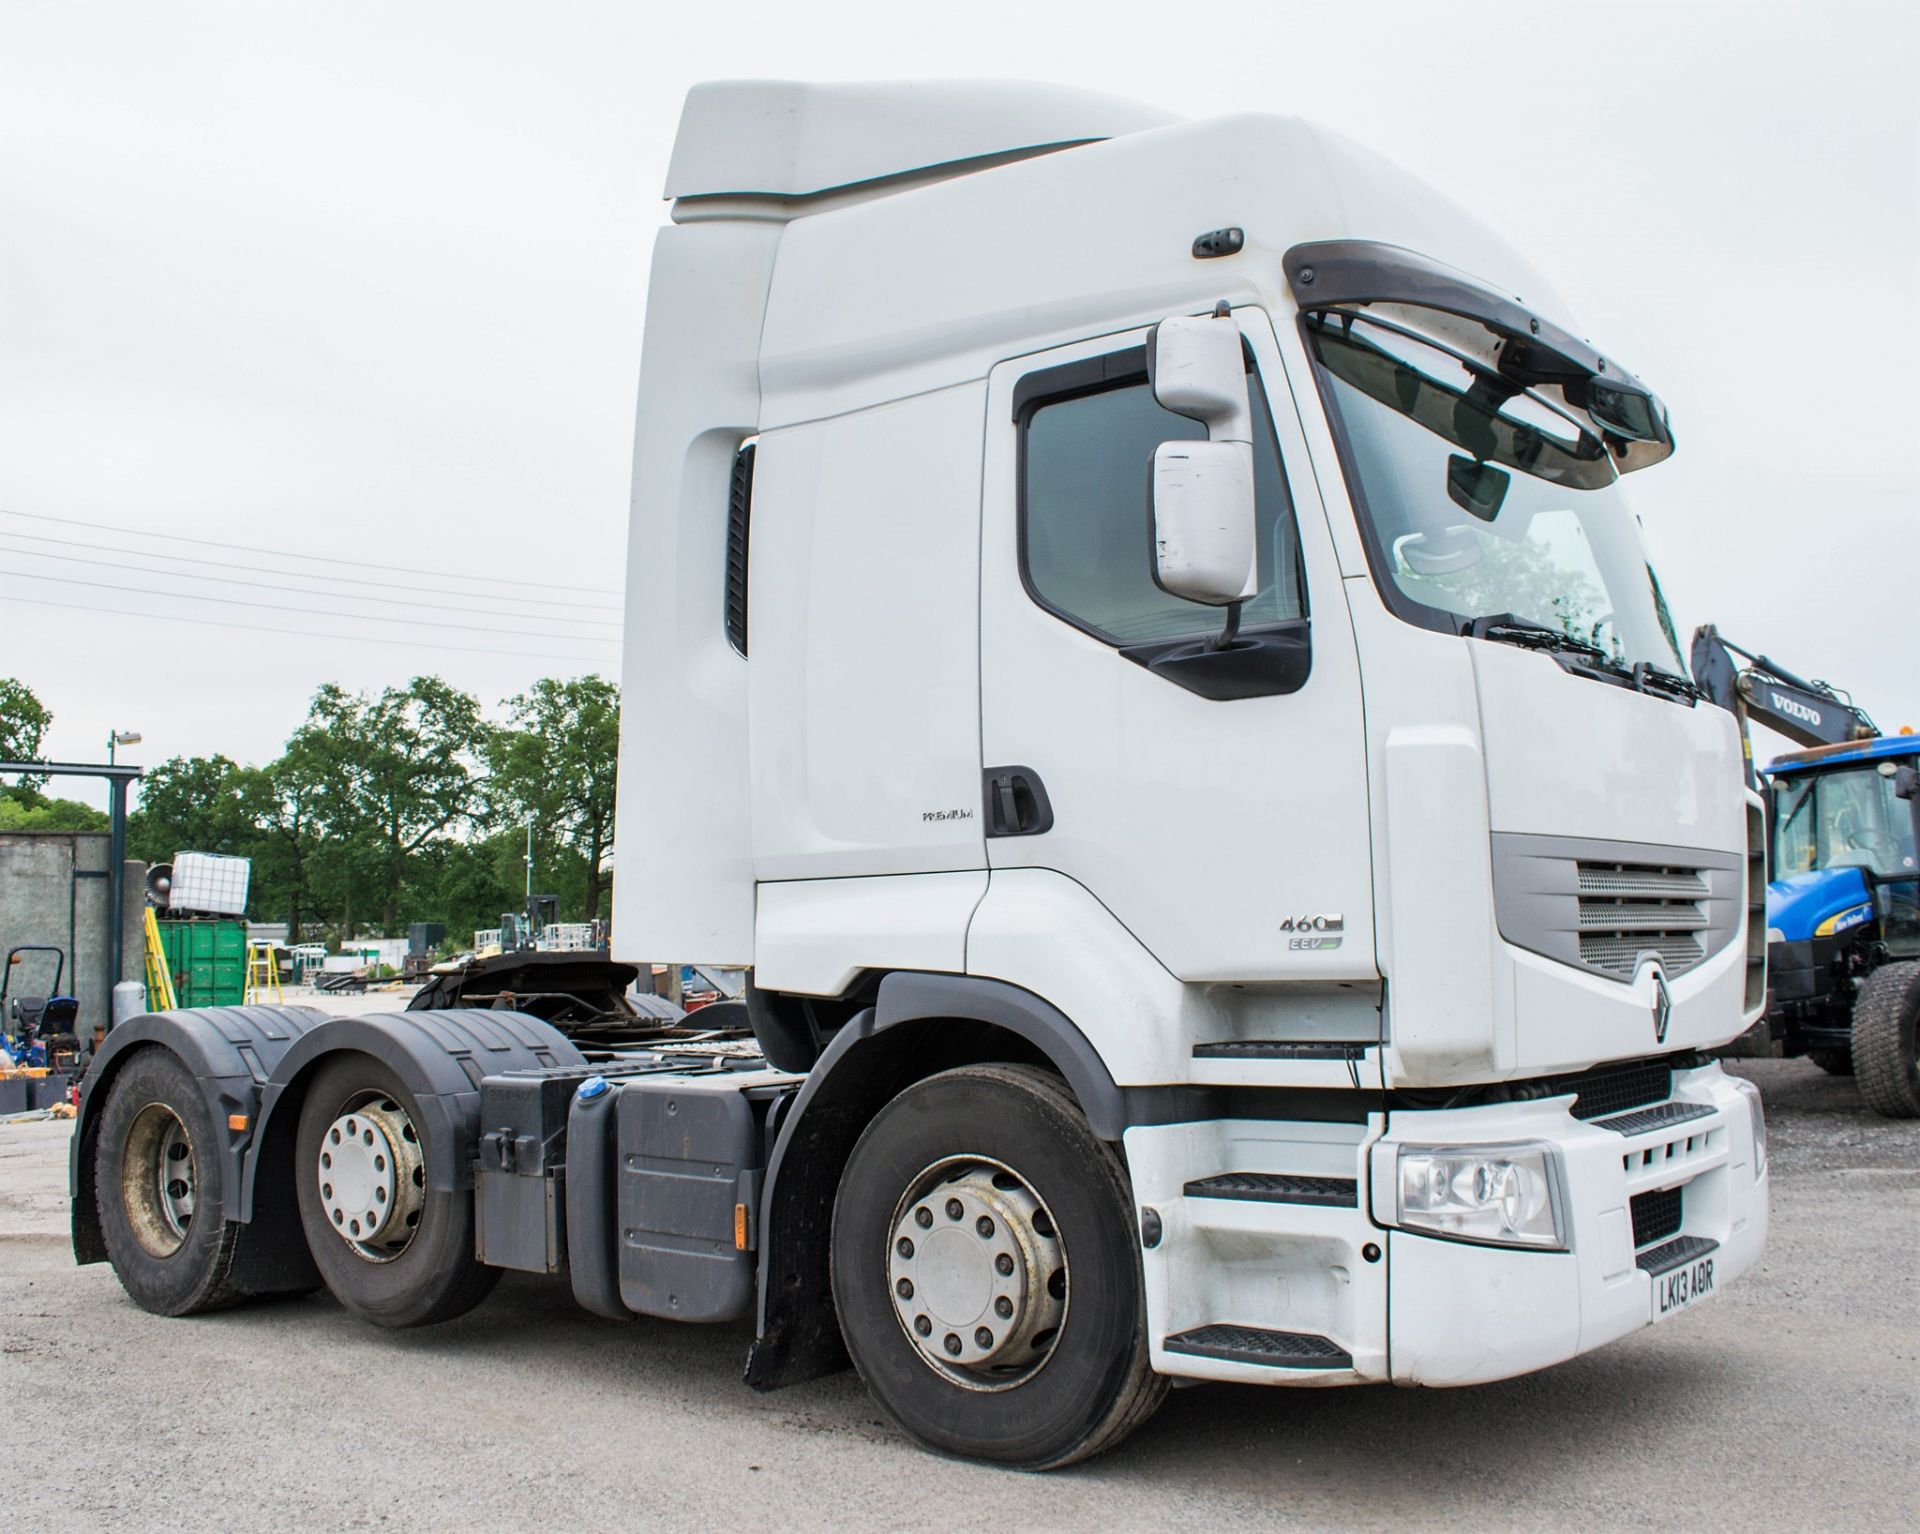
[1643, 676]
[1509, 628]
[1647, 676]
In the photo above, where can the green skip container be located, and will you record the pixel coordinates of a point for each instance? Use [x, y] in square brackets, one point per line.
[208, 962]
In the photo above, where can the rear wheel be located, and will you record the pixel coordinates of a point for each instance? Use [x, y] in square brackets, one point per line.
[391, 1248]
[986, 1275]
[162, 1200]
[1886, 1019]
[1835, 1062]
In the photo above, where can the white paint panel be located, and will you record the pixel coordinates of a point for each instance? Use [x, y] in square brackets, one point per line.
[864, 622]
[683, 872]
[816, 935]
[1201, 825]
[1572, 757]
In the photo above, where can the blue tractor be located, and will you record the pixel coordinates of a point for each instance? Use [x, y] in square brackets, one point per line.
[1843, 892]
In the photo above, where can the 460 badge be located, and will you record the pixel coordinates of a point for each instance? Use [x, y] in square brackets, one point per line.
[1308, 934]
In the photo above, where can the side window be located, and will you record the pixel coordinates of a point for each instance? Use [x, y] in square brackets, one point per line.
[1085, 538]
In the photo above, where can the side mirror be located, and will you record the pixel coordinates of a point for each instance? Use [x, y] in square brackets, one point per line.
[1906, 782]
[1205, 544]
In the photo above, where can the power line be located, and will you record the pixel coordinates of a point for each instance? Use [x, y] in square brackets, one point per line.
[275, 607]
[305, 575]
[343, 596]
[262, 628]
[325, 559]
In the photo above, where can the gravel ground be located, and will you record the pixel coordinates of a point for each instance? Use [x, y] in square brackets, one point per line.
[1790, 1401]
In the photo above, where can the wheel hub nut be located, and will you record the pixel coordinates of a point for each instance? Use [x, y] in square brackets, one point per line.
[972, 1261]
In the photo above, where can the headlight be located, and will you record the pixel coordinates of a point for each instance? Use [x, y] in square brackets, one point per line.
[1757, 1117]
[1508, 1195]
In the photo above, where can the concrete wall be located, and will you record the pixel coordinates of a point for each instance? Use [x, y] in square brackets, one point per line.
[53, 889]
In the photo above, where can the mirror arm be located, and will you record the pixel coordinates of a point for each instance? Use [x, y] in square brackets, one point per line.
[1228, 632]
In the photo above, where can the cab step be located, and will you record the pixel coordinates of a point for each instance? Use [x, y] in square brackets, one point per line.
[1255, 1345]
[1669, 1255]
[1278, 1188]
[1279, 1049]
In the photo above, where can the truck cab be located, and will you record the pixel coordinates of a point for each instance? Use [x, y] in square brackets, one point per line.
[1431, 875]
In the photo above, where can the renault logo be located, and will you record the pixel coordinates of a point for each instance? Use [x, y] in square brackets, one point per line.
[1662, 1007]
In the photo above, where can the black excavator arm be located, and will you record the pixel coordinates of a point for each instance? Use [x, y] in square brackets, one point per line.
[1808, 713]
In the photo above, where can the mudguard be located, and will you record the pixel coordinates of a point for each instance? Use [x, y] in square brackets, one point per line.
[232, 1051]
[441, 1056]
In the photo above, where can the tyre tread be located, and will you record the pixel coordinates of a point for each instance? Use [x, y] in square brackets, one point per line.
[1883, 1040]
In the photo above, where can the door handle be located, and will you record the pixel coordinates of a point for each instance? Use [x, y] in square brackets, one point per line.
[1016, 802]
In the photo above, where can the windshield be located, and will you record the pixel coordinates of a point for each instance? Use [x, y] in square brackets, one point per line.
[1842, 818]
[1486, 500]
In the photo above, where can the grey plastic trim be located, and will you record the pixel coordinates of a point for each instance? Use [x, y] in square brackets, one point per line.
[1110, 1109]
[1536, 892]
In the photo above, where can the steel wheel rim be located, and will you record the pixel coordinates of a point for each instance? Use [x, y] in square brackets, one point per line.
[370, 1172]
[159, 1180]
[982, 1294]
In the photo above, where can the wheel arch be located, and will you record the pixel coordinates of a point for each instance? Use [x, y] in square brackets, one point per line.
[230, 1051]
[441, 1056]
[908, 1034]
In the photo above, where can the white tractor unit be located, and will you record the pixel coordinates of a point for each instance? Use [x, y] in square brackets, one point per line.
[1175, 717]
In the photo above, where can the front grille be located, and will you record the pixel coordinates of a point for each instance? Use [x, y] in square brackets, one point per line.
[1616, 1088]
[1656, 1216]
[1627, 910]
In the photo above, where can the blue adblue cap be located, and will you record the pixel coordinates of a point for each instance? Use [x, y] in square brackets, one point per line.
[593, 1089]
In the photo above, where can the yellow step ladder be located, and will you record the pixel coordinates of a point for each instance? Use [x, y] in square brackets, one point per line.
[263, 975]
[159, 979]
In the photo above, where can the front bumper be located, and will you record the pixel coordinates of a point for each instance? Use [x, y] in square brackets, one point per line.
[1461, 1315]
[1420, 1309]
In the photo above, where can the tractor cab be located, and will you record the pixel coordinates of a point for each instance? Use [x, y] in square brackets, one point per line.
[1844, 896]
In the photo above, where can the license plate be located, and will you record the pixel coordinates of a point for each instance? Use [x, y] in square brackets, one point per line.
[1680, 1288]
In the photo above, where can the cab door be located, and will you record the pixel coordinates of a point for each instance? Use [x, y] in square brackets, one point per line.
[1224, 824]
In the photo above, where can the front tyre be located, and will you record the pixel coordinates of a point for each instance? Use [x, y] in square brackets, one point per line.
[1886, 1019]
[394, 1250]
[986, 1274]
[1835, 1062]
[162, 1199]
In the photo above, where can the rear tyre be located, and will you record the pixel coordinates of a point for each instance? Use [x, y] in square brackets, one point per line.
[1835, 1062]
[1886, 1019]
[157, 1166]
[986, 1273]
[393, 1250]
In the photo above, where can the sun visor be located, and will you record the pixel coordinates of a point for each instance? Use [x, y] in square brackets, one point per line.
[1491, 328]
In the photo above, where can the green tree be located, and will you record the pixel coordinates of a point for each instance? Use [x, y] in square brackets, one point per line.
[398, 775]
[23, 725]
[293, 843]
[16, 814]
[556, 767]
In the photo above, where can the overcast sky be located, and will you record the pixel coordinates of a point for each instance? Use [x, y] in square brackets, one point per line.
[364, 284]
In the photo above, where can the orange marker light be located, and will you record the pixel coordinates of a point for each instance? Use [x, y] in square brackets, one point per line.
[237, 1122]
[740, 1227]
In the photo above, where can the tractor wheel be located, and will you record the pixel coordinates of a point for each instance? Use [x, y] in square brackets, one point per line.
[1885, 1021]
[987, 1275]
[393, 1250]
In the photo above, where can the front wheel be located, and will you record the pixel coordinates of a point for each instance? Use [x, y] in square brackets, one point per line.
[986, 1274]
[1886, 1019]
